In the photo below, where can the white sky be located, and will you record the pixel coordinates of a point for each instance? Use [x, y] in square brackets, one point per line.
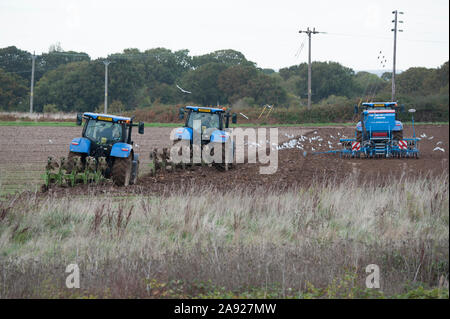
[266, 32]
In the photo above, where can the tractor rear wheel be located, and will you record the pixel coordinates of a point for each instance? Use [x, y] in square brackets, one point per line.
[398, 135]
[121, 171]
[223, 165]
[134, 178]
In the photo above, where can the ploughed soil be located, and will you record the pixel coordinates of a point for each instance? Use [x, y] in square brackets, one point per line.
[297, 165]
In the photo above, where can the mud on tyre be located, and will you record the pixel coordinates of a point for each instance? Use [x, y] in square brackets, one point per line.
[121, 171]
[134, 177]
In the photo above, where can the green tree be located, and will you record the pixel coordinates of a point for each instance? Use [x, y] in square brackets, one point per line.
[328, 78]
[50, 61]
[203, 83]
[234, 81]
[227, 57]
[267, 90]
[17, 61]
[76, 86]
[415, 81]
[442, 75]
[164, 93]
[13, 91]
[368, 84]
[387, 76]
[124, 81]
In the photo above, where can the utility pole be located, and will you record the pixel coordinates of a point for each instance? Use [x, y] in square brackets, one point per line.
[309, 32]
[33, 59]
[106, 62]
[395, 21]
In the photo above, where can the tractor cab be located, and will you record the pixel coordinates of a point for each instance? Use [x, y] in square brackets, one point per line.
[103, 132]
[108, 138]
[208, 121]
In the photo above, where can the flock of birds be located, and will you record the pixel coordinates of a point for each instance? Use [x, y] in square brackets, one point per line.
[300, 142]
[311, 143]
[328, 142]
[437, 148]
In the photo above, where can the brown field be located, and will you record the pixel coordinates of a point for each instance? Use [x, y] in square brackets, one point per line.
[25, 151]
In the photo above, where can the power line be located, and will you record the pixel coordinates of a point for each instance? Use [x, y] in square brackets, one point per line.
[384, 38]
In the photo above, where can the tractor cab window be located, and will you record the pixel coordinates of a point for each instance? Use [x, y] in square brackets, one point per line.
[208, 120]
[102, 132]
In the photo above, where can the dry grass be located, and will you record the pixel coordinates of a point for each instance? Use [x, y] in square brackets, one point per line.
[238, 240]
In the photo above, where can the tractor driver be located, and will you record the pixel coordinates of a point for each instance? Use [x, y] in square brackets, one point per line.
[210, 121]
[116, 132]
[214, 121]
[106, 132]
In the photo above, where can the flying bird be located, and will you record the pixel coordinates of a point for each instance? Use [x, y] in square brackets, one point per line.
[439, 149]
[243, 115]
[184, 91]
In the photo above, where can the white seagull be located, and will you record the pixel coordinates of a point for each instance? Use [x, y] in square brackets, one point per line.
[184, 91]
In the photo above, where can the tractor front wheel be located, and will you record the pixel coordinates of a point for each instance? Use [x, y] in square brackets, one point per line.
[121, 171]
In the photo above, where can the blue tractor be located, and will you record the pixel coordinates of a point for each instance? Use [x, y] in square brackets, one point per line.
[212, 124]
[380, 134]
[108, 138]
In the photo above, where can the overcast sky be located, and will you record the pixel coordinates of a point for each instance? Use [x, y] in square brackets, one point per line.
[266, 32]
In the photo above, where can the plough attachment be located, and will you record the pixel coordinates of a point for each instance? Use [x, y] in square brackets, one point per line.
[72, 171]
[161, 160]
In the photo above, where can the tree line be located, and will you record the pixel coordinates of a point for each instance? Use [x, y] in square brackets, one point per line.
[71, 81]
